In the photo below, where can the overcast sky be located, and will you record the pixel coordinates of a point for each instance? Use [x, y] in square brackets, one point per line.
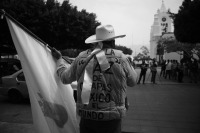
[131, 17]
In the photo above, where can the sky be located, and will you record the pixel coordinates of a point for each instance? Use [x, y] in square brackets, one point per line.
[131, 17]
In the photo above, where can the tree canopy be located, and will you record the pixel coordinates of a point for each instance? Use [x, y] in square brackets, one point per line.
[124, 49]
[172, 45]
[145, 50]
[187, 22]
[60, 25]
[144, 55]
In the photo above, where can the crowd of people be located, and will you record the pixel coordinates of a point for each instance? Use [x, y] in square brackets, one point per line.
[174, 70]
[153, 68]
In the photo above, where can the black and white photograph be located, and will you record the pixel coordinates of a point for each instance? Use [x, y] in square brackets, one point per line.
[100, 66]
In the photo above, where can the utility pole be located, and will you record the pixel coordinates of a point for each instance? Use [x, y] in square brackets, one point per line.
[132, 42]
[135, 51]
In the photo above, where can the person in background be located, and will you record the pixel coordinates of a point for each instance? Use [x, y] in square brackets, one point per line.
[1, 74]
[108, 72]
[189, 68]
[15, 68]
[163, 68]
[168, 69]
[131, 61]
[133, 64]
[198, 76]
[143, 67]
[180, 71]
[174, 69]
[193, 71]
[153, 69]
[186, 68]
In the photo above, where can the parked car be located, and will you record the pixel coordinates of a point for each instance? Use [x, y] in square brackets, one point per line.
[14, 86]
[9, 66]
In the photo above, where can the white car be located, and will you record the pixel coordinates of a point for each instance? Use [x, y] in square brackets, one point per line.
[14, 86]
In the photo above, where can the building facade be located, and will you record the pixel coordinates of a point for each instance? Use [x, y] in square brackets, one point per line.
[162, 24]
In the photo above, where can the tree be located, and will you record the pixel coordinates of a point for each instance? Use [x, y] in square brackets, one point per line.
[144, 55]
[187, 22]
[124, 49]
[139, 56]
[60, 25]
[160, 50]
[145, 50]
[24, 11]
[172, 45]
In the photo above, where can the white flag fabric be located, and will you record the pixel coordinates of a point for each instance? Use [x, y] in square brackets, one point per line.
[52, 103]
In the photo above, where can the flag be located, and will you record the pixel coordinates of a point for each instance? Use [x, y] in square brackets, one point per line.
[52, 103]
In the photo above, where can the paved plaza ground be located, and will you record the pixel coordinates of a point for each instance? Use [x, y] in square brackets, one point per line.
[165, 107]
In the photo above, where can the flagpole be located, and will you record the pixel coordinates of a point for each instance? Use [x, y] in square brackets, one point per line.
[3, 13]
[24, 28]
[32, 34]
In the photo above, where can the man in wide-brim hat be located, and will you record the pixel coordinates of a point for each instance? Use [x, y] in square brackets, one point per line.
[103, 75]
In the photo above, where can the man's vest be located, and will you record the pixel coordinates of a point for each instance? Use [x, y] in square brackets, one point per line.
[108, 89]
[108, 92]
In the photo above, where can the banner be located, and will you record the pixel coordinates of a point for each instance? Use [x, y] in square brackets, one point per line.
[52, 103]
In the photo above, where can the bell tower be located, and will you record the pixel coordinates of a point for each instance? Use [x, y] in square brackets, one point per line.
[162, 24]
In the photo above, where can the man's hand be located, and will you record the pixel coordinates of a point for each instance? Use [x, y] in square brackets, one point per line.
[56, 54]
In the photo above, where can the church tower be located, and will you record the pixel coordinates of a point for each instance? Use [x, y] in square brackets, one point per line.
[162, 24]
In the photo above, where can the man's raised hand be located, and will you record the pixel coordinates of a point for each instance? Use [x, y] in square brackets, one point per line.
[56, 54]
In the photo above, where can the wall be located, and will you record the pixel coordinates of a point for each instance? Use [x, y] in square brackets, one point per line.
[172, 56]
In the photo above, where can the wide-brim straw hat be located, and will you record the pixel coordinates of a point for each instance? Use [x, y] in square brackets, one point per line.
[103, 33]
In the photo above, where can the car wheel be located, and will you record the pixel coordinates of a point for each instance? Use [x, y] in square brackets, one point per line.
[15, 96]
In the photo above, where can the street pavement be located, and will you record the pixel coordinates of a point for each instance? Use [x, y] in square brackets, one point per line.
[165, 107]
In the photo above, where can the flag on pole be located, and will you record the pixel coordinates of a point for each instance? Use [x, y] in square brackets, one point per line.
[52, 103]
